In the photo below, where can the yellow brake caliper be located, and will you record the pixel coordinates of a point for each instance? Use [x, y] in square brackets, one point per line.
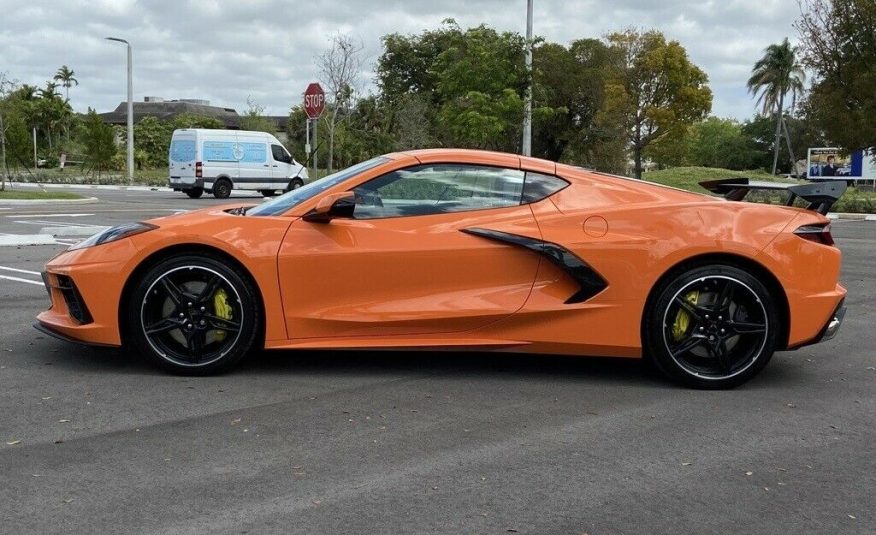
[682, 319]
[222, 309]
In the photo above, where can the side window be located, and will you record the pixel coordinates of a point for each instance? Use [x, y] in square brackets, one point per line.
[279, 154]
[539, 186]
[437, 189]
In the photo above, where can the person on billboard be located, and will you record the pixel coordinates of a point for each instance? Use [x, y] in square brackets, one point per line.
[829, 169]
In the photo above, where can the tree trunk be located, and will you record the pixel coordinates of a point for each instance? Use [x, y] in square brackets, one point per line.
[777, 141]
[637, 162]
[790, 150]
[4, 171]
[331, 153]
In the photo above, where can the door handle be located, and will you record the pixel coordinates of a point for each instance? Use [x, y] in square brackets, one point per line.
[265, 165]
[275, 165]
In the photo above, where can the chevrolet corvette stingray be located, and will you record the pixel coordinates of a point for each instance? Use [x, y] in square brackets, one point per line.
[466, 250]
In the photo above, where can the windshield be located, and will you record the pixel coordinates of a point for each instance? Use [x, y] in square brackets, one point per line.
[298, 196]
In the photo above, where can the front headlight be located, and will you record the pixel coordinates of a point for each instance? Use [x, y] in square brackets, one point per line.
[114, 233]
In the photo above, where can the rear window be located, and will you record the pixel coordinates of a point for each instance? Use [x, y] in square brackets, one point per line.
[538, 186]
[182, 150]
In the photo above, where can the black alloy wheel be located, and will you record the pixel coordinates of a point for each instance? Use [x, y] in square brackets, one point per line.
[194, 315]
[195, 193]
[222, 188]
[712, 327]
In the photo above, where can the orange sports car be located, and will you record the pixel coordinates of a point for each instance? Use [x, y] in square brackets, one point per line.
[460, 249]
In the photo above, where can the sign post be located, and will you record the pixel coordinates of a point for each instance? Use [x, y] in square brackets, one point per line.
[314, 104]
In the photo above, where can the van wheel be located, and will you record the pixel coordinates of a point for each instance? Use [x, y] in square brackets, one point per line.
[267, 192]
[295, 183]
[195, 193]
[222, 188]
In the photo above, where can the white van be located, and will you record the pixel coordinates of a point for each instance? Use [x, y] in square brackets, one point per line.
[217, 161]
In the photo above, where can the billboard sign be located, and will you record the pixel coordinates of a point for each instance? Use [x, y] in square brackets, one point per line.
[831, 162]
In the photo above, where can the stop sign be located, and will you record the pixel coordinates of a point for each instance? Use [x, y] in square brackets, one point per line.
[314, 100]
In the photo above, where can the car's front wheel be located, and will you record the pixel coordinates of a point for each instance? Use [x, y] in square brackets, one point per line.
[194, 315]
[712, 326]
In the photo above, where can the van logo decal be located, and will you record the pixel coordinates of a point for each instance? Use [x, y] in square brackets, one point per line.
[237, 152]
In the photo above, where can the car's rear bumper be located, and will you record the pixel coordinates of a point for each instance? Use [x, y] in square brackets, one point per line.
[830, 328]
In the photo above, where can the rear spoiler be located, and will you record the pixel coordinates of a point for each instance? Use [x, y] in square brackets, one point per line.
[820, 195]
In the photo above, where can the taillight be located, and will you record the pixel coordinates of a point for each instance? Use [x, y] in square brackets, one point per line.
[817, 233]
[199, 169]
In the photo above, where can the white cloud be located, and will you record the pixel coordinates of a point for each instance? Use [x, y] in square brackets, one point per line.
[224, 51]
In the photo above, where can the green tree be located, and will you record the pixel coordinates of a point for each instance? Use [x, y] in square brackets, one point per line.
[99, 141]
[722, 143]
[194, 120]
[775, 75]
[254, 118]
[66, 77]
[654, 91]
[839, 44]
[570, 80]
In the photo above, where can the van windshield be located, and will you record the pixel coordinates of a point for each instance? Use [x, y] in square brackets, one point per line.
[297, 196]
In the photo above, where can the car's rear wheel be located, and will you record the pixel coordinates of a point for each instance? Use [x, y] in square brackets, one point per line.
[194, 315]
[222, 188]
[195, 193]
[713, 326]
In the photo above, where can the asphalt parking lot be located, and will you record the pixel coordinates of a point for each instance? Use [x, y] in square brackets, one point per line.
[96, 441]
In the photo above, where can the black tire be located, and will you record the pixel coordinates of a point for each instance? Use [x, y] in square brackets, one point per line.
[268, 192]
[295, 183]
[195, 193]
[222, 188]
[712, 326]
[194, 315]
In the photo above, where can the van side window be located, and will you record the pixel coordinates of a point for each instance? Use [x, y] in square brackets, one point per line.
[280, 154]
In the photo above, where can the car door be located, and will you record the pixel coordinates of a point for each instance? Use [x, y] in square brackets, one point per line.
[255, 162]
[280, 165]
[403, 265]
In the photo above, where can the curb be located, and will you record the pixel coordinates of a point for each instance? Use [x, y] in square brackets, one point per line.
[31, 202]
[44, 185]
[852, 217]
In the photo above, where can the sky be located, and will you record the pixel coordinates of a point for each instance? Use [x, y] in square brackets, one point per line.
[231, 50]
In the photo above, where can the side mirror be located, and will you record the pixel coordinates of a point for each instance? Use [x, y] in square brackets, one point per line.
[332, 206]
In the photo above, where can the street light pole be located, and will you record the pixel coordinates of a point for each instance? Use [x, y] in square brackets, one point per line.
[527, 105]
[130, 108]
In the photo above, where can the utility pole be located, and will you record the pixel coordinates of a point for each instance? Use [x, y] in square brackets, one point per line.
[527, 105]
[130, 108]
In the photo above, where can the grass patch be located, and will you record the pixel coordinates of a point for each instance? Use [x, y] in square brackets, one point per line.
[37, 195]
[689, 177]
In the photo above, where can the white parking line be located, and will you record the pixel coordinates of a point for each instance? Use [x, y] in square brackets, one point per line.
[58, 224]
[20, 270]
[16, 279]
[48, 215]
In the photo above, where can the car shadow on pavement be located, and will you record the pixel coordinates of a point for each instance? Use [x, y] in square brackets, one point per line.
[509, 366]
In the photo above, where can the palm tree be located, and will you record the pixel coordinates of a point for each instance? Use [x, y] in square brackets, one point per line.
[50, 92]
[65, 75]
[773, 76]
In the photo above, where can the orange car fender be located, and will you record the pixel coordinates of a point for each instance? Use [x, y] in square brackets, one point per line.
[252, 242]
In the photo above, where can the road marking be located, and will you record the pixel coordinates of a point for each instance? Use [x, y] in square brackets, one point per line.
[59, 224]
[16, 279]
[26, 239]
[20, 270]
[49, 215]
